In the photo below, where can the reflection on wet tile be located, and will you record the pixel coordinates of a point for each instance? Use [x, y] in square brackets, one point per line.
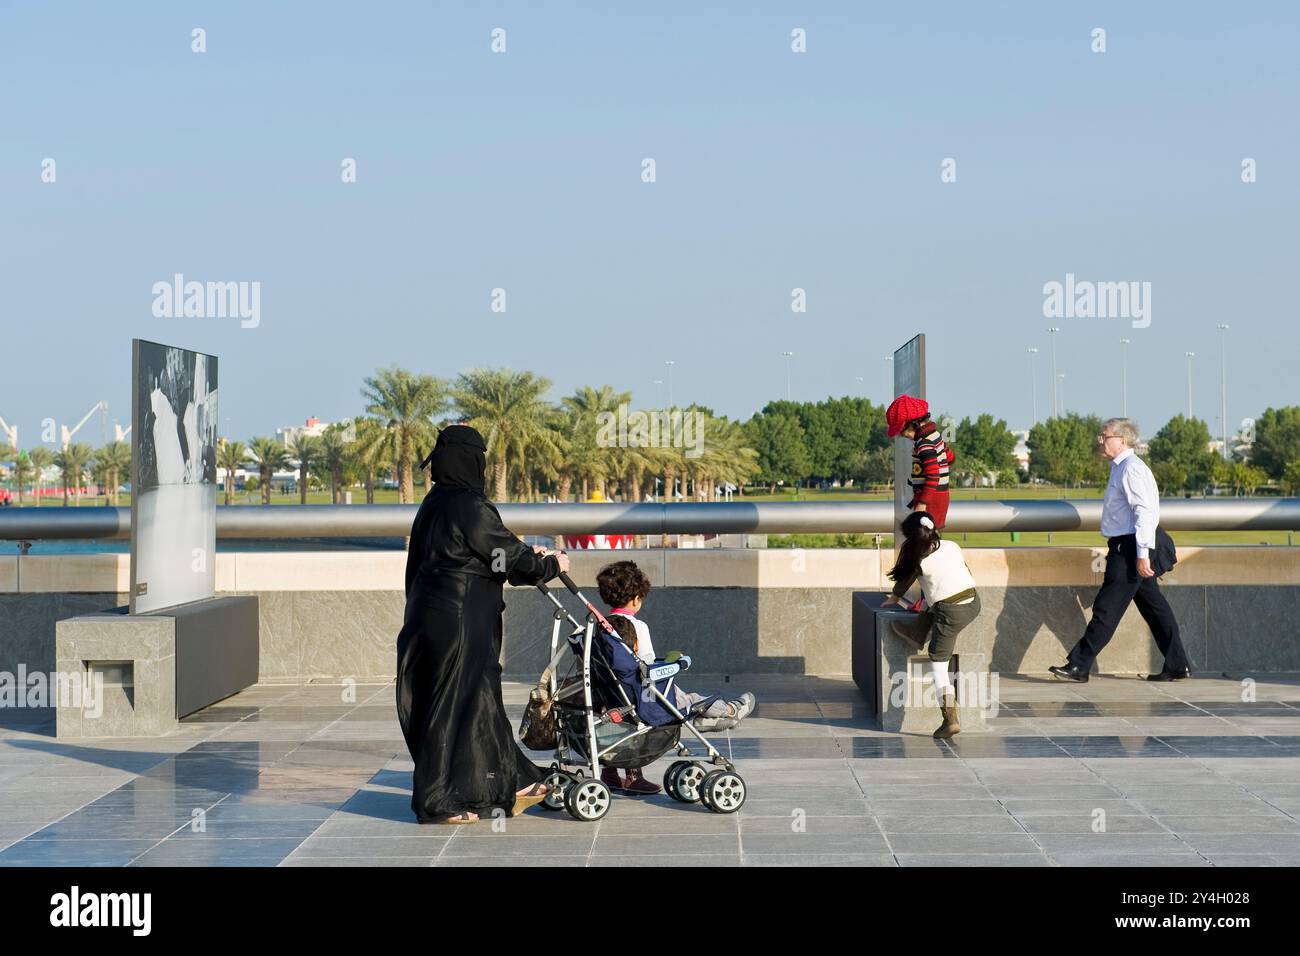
[887, 747]
[1028, 747]
[293, 775]
[1090, 747]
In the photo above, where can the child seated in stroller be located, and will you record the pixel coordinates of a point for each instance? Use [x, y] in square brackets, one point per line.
[623, 659]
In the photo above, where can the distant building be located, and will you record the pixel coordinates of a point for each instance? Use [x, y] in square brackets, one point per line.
[313, 428]
[1021, 451]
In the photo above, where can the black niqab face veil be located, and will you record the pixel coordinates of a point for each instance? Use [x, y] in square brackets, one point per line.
[458, 459]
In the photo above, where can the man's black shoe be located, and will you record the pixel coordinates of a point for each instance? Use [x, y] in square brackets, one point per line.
[1171, 675]
[1070, 672]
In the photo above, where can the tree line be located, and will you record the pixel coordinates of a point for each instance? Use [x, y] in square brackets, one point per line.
[539, 449]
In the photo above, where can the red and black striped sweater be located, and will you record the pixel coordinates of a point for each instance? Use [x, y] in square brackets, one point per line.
[931, 459]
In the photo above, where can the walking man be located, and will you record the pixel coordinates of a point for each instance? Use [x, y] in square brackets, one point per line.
[1129, 515]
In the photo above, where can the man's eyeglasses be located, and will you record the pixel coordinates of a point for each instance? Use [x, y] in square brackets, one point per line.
[1105, 438]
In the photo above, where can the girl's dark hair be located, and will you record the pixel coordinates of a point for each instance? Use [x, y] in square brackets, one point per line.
[624, 629]
[622, 582]
[918, 423]
[919, 542]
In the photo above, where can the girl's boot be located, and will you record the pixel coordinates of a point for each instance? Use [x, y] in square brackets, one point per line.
[948, 708]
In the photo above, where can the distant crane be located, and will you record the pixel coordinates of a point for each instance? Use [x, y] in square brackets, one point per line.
[67, 434]
[120, 433]
[10, 433]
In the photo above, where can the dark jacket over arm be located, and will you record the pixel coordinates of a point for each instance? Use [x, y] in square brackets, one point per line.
[459, 530]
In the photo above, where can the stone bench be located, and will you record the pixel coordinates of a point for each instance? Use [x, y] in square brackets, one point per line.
[895, 678]
[137, 675]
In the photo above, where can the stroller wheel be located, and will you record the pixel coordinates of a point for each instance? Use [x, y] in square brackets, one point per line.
[587, 800]
[723, 791]
[559, 782]
[670, 779]
[686, 784]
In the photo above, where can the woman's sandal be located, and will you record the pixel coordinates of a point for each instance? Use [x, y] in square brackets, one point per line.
[460, 818]
[530, 797]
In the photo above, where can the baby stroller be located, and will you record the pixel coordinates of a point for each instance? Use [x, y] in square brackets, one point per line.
[597, 726]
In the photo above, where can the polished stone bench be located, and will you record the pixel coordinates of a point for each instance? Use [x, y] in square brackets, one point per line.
[895, 678]
[137, 675]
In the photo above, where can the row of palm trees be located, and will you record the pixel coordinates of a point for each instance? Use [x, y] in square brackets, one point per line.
[535, 448]
[107, 467]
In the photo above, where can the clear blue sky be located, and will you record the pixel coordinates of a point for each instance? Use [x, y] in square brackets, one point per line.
[775, 171]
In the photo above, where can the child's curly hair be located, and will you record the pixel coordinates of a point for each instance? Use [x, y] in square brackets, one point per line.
[622, 582]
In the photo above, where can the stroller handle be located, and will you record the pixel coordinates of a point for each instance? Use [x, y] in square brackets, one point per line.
[568, 582]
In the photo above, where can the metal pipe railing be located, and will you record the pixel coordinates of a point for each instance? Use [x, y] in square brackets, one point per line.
[733, 517]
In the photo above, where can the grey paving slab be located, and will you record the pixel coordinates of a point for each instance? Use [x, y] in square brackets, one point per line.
[379, 847]
[1136, 860]
[294, 775]
[819, 860]
[972, 859]
[1111, 843]
[963, 842]
[947, 823]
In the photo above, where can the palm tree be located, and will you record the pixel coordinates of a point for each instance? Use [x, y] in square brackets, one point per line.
[509, 411]
[546, 463]
[22, 472]
[405, 405]
[373, 452]
[230, 456]
[632, 465]
[726, 456]
[335, 455]
[591, 461]
[306, 449]
[270, 456]
[41, 458]
[72, 462]
[113, 460]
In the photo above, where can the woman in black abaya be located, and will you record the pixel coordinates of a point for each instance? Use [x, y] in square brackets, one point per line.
[467, 763]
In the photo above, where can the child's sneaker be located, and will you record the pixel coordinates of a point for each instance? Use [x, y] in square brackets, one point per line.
[745, 705]
[609, 777]
[709, 725]
[638, 785]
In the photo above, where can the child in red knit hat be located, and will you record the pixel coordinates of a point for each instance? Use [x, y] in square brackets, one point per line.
[931, 456]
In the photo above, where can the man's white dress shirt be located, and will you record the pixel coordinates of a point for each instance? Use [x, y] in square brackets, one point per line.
[1132, 502]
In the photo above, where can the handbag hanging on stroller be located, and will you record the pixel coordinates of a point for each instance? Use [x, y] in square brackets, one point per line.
[592, 721]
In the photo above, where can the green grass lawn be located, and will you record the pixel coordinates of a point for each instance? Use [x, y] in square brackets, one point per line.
[1032, 539]
[1036, 492]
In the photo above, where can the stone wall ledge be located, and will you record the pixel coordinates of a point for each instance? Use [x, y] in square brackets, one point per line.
[704, 568]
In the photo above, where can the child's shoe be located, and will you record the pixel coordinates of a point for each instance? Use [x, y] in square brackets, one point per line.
[710, 725]
[609, 777]
[638, 785]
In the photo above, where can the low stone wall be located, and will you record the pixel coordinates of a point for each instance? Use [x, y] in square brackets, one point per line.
[336, 615]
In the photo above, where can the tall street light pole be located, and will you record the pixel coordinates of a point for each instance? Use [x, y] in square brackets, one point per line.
[1060, 379]
[1223, 386]
[788, 356]
[1056, 407]
[1123, 374]
[1190, 356]
[1033, 383]
[670, 363]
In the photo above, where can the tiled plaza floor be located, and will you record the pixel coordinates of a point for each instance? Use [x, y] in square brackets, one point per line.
[1117, 772]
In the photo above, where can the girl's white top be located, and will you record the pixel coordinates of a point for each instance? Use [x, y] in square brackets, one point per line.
[944, 573]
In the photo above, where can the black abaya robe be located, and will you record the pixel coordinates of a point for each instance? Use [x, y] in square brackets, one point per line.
[448, 656]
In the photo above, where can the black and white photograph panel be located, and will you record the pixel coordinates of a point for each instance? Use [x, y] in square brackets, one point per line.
[175, 424]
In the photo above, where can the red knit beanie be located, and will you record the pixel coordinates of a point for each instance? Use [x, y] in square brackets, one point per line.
[902, 410]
